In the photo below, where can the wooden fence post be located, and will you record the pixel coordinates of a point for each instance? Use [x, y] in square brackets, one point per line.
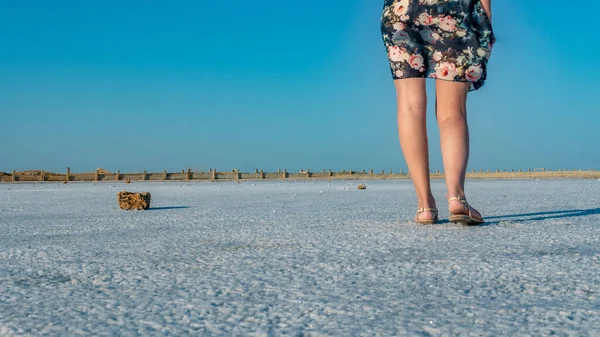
[96, 174]
[214, 174]
[284, 174]
[330, 174]
[118, 175]
[164, 175]
[14, 175]
[42, 175]
[144, 175]
[68, 174]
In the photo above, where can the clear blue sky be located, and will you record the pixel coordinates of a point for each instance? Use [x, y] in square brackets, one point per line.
[155, 85]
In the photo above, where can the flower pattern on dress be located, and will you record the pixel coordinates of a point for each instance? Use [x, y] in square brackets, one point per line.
[444, 39]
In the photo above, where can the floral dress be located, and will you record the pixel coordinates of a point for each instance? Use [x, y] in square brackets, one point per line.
[444, 39]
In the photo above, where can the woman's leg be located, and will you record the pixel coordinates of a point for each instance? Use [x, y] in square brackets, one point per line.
[412, 105]
[451, 113]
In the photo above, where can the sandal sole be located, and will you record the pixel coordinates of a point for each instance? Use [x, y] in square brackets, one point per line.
[425, 222]
[465, 220]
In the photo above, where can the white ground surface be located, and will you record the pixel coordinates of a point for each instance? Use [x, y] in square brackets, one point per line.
[299, 258]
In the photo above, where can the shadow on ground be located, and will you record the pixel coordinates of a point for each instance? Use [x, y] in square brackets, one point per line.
[168, 207]
[546, 215]
[534, 216]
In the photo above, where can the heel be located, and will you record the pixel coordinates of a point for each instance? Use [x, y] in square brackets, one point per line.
[464, 219]
[427, 222]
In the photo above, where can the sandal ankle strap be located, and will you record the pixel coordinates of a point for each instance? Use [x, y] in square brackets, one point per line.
[461, 199]
[421, 210]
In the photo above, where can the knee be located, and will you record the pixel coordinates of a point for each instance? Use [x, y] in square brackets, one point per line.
[451, 116]
[413, 108]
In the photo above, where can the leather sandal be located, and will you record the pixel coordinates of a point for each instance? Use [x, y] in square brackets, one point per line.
[427, 221]
[464, 219]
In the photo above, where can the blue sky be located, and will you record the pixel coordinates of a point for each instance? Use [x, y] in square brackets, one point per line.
[155, 85]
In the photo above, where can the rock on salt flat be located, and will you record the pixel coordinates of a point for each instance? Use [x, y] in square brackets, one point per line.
[291, 258]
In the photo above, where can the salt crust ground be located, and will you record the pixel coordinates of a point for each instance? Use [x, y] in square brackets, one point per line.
[299, 258]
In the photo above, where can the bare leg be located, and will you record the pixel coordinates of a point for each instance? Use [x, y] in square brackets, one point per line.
[412, 105]
[451, 113]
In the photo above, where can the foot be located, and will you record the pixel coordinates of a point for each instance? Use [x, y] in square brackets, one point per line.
[458, 206]
[426, 216]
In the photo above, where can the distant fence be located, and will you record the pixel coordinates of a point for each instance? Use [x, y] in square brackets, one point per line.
[213, 174]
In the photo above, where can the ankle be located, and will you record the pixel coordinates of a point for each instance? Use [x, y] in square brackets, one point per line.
[428, 202]
[455, 194]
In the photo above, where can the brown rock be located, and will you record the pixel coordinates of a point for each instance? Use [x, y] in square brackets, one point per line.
[362, 187]
[131, 200]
